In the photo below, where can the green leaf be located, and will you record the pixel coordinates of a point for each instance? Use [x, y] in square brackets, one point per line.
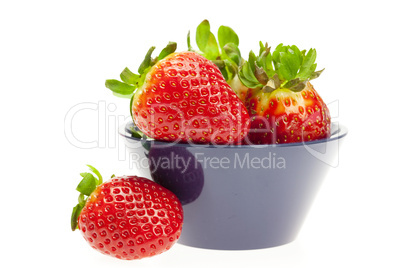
[289, 66]
[298, 54]
[231, 65]
[246, 74]
[119, 87]
[87, 185]
[225, 74]
[307, 66]
[246, 82]
[86, 173]
[97, 173]
[136, 133]
[226, 35]
[287, 61]
[316, 74]
[247, 77]
[268, 67]
[147, 61]
[74, 216]
[249, 72]
[212, 49]
[129, 77]
[232, 51]
[262, 47]
[189, 42]
[81, 199]
[202, 35]
[206, 41]
[266, 63]
[264, 59]
[312, 69]
[251, 59]
[123, 96]
[131, 106]
[169, 49]
[219, 63]
[141, 80]
[232, 68]
[276, 56]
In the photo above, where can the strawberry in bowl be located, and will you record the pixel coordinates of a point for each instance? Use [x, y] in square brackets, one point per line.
[183, 97]
[284, 106]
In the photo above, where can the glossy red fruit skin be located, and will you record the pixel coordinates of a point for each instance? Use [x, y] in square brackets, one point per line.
[185, 98]
[130, 218]
[288, 117]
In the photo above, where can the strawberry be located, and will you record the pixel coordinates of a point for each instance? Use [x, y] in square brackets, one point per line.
[183, 97]
[283, 105]
[127, 217]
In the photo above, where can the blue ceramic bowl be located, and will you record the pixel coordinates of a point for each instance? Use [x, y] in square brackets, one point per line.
[238, 197]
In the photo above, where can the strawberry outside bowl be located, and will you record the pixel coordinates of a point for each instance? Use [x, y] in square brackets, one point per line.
[237, 197]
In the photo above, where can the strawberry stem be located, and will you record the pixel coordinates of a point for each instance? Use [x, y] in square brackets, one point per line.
[97, 173]
[129, 77]
[86, 186]
[74, 217]
[131, 81]
[189, 48]
[286, 67]
[119, 87]
[169, 49]
[146, 62]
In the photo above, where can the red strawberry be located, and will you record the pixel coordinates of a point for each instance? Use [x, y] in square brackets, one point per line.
[183, 97]
[283, 105]
[128, 217]
[284, 116]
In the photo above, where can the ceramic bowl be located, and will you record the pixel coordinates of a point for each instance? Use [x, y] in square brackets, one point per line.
[238, 197]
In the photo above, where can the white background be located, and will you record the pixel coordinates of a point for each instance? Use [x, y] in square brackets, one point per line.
[55, 55]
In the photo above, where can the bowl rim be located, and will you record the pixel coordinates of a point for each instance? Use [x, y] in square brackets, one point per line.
[338, 131]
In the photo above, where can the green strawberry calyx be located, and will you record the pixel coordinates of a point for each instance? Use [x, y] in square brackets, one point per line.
[286, 67]
[130, 81]
[87, 185]
[224, 52]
